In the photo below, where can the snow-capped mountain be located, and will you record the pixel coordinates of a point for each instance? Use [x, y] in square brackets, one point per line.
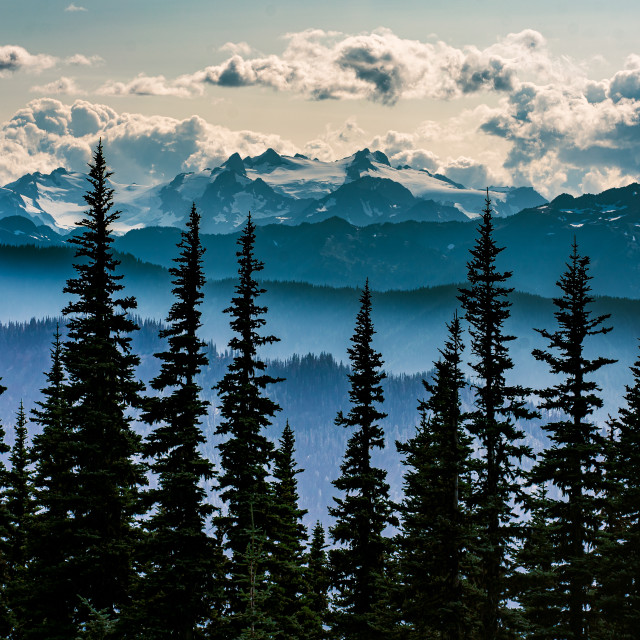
[362, 188]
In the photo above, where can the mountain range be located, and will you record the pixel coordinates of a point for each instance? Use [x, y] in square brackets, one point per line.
[362, 189]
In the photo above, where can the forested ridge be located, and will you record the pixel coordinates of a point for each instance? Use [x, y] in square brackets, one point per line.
[177, 509]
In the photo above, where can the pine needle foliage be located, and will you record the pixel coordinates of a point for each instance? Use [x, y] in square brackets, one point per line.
[493, 422]
[180, 560]
[435, 540]
[100, 392]
[573, 463]
[246, 411]
[358, 563]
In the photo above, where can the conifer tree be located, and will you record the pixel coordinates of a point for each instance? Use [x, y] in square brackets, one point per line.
[6, 622]
[619, 563]
[288, 535]
[21, 509]
[246, 454]
[181, 562]
[573, 461]
[51, 596]
[435, 539]
[358, 563]
[493, 422]
[316, 578]
[100, 391]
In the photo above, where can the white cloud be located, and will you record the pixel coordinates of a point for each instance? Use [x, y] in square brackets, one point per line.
[74, 8]
[47, 134]
[62, 86]
[382, 67]
[83, 61]
[143, 85]
[14, 58]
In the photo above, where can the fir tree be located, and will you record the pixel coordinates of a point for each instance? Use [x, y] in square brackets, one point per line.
[358, 564]
[6, 621]
[100, 391]
[493, 423]
[573, 461]
[51, 595]
[316, 579]
[288, 535]
[435, 539]
[246, 412]
[619, 561]
[21, 509]
[181, 561]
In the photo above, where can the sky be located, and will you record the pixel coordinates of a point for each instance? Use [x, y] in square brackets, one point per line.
[490, 92]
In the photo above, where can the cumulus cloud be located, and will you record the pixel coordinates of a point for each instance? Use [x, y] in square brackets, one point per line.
[48, 133]
[62, 86]
[143, 85]
[14, 58]
[72, 8]
[381, 67]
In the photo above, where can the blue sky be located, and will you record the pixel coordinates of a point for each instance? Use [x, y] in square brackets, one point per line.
[544, 93]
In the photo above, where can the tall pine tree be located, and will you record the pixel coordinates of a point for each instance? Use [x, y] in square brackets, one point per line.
[100, 391]
[435, 539]
[51, 595]
[316, 578]
[21, 509]
[619, 563]
[181, 563]
[246, 454]
[359, 562]
[288, 535]
[498, 405]
[573, 461]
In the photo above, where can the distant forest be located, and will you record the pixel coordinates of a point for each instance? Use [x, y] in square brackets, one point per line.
[179, 507]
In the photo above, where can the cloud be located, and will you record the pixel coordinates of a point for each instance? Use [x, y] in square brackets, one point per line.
[143, 85]
[47, 133]
[74, 8]
[83, 61]
[62, 86]
[381, 67]
[14, 58]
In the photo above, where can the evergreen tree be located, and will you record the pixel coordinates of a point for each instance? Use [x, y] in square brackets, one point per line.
[619, 562]
[6, 621]
[358, 564]
[100, 391]
[51, 597]
[246, 412]
[573, 461]
[435, 539]
[288, 535]
[180, 558]
[316, 578]
[536, 583]
[21, 509]
[493, 422]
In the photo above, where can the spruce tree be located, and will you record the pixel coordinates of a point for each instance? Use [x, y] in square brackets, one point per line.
[100, 391]
[6, 621]
[246, 453]
[20, 506]
[435, 538]
[316, 579]
[493, 422]
[619, 555]
[359, 562]
[572, 464]
[51, 595]
[180, 558]
[288, 535]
